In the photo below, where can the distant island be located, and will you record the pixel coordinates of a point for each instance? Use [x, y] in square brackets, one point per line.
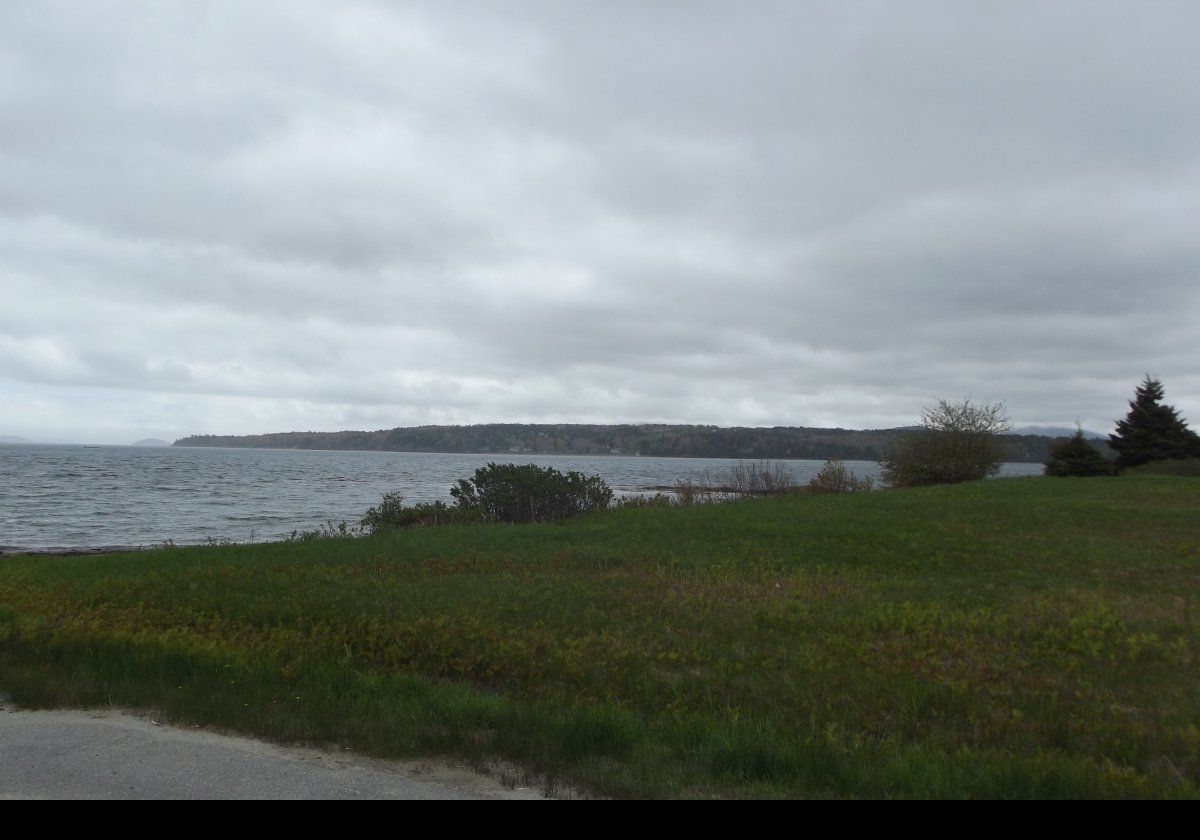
[150, 442]
[13, 439]
[656, 440]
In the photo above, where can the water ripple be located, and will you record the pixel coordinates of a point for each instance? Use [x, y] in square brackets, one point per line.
[82, 497]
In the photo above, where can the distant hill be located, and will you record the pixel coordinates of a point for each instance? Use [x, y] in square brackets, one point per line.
[1057, 432]
[150, 442]
[677, 441]
[13, 439]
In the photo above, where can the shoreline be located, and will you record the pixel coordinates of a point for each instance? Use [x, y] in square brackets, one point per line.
[64, 551]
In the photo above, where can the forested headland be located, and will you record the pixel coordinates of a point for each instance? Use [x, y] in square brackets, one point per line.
[655, 440]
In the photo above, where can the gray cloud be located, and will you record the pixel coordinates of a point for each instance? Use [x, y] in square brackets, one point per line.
[230, 217]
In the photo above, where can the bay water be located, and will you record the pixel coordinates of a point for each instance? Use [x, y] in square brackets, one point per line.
[55, 498]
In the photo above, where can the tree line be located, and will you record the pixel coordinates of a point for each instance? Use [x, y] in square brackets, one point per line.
[652, 440]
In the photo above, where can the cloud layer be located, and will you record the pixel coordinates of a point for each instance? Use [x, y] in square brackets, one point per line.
[233, 218]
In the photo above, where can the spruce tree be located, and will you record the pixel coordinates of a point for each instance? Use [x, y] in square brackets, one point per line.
[1151, 431]
[1077, 457]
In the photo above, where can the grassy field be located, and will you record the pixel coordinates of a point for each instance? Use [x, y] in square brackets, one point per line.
[1008, 638]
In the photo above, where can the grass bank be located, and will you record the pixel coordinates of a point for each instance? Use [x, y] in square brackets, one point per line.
[1009, 638]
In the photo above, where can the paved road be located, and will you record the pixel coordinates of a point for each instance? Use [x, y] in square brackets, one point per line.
[112, 755]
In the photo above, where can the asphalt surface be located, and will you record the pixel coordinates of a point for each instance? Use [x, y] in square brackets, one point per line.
[114, 755]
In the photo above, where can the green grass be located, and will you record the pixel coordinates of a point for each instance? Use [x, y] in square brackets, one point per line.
[1184, 466]
[1010, 638]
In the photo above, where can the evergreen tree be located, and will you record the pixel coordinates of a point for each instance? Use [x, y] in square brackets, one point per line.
[1151, 431]
[1076, 457]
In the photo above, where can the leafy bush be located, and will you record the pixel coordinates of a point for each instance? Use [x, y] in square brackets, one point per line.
[835, 477]
[1076, 457]
[529, 493]
[956, 442]
[385, 517]
[392, 514]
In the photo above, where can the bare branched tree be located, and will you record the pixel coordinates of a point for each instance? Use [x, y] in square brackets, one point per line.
[957, 441]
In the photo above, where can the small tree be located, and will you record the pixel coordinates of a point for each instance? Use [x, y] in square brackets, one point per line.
[1152, 432]
[1076, 457]
[956, 442]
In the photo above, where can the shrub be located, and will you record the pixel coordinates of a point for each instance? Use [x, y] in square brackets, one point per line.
[689, 493]
[1076, 457]
[529, 493]
[761, 479]
[386, 516]
[392, 514]
[956, 442]
[834, 477]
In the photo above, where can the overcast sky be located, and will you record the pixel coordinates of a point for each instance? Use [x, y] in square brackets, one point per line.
[250, 217]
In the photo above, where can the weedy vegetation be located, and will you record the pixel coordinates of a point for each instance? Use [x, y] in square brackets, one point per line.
[836, 477]
[1009, 638]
